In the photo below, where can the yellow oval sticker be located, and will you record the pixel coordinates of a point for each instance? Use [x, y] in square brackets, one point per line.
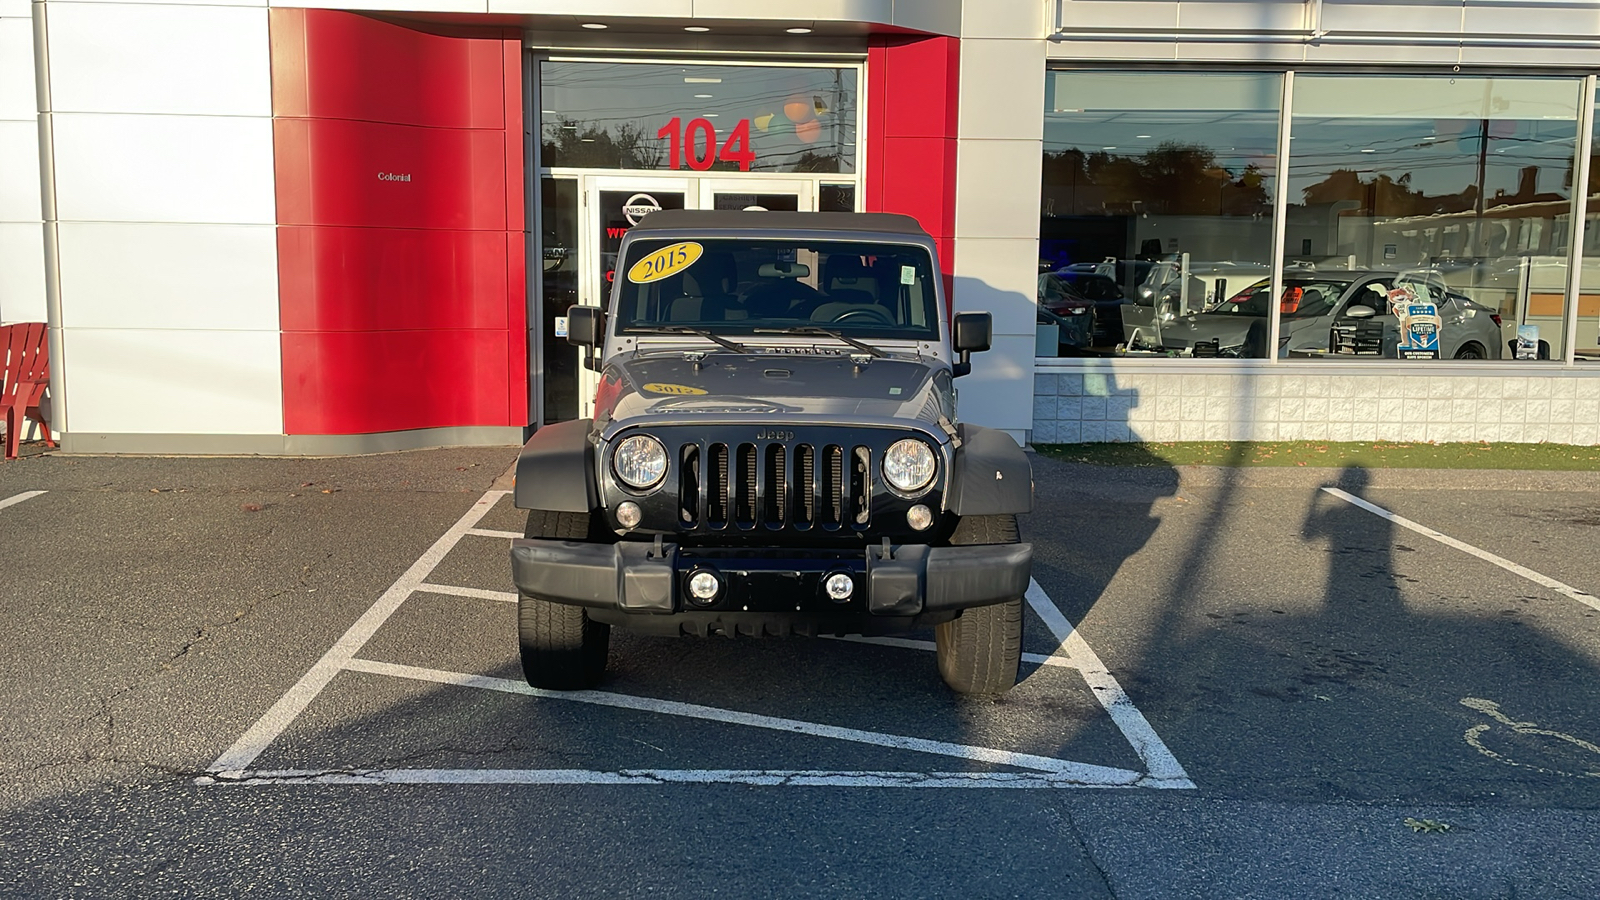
[682, 389]
[669, 260]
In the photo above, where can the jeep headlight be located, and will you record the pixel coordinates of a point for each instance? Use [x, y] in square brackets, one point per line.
[640, 461]
[909, 465]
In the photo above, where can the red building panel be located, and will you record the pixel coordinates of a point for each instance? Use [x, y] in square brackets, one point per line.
[400, 176]
[378, 279]
[358, 382]
[913, 91]
[334, 65]
[399, 183]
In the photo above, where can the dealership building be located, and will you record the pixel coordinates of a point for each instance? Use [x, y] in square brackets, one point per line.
[283, 228]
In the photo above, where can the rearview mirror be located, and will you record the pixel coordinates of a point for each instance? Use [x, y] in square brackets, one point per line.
[586, 327]
[971, 332]
[1360, 312]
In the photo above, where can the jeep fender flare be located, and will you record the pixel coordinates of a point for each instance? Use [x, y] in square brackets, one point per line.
[555, 470]
[991, 475]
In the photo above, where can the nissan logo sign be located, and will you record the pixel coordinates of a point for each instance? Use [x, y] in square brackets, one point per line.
[639, 206]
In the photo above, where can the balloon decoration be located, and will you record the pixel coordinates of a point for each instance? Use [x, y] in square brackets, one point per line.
[803, 113]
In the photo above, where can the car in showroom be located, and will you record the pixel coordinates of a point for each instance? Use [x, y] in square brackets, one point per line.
[1313, 303]
[1095, 298]
[775, 450]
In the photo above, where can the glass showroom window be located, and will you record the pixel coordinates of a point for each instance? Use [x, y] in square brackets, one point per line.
[1428, 217]
[1588, 340]
[627, 115]
[1156, 210]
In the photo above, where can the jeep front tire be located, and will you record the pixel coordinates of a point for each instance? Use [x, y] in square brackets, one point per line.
[980, 651]
[561, 648]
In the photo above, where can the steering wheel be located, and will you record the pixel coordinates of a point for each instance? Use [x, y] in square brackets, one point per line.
[878, 316]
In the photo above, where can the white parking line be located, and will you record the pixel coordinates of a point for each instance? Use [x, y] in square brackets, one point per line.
[232, 767]
[291, 705]
[756, 777]
[25, 495]
[1078, 773]
[1158, 760]
[478, 593]
[1583, 597]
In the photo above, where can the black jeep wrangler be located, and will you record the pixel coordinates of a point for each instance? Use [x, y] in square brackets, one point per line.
[774, 450]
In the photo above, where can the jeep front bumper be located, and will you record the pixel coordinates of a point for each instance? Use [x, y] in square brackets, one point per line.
[645, 578]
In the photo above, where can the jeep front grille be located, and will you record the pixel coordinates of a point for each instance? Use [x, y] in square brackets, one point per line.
[743, 486]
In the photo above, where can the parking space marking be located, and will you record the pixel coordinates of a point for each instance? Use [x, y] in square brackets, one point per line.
[1059, 661]
[1583, 597]
[25, 495]
[233, 766]
[755, 777]
[292, 704]
[479, 593]
[1078, 773]
[1163, 768]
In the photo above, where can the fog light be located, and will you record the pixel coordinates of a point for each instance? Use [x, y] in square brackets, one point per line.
[704, 586]
[919, 517]
[628, 514]
[839, 587]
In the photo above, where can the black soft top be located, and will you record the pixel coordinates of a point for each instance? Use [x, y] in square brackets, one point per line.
[707, 219]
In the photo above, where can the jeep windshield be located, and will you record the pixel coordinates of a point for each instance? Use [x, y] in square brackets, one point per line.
[745, 287]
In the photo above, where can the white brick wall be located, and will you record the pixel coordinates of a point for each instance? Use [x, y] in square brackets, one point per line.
[1112, 401]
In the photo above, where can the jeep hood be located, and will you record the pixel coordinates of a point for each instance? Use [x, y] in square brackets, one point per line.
[784, 386]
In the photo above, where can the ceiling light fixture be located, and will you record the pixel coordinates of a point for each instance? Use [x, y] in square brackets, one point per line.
[696, 79]
[594, 25]
[702, 96]
[798, 30]
[695, 28]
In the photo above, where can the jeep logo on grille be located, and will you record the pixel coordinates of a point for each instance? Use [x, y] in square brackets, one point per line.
[769, 434]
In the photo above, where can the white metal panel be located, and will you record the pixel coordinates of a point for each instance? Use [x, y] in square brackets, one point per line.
[142, 58]
[1118, 14]
[1391, 17]
[17, 97]
[165, 168]
[139, 275]
[593, 10]
[1002, 89]
[999, 392]
[1246, 53]
[19, 172]
[125, 381]
[1554, 19]
[999, 276]
[16, 9]
[1007, 19]
[263, 3]
[469, 6]
[21, 272]
[803, 12]
[997, 189]
[1232, 15]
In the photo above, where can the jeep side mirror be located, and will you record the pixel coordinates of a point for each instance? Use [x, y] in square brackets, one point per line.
[586, 326]
[971, 332]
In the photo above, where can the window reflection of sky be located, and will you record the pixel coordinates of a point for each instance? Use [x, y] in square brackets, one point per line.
[607, 115]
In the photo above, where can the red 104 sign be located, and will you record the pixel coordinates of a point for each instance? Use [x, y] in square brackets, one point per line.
[697, 144]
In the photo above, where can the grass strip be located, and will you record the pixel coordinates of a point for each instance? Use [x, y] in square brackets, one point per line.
[1334, 454]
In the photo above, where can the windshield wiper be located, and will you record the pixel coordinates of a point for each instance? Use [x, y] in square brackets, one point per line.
[828, 332]
[698, 332]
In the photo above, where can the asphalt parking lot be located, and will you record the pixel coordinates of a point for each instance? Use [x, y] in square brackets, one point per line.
[299, 677]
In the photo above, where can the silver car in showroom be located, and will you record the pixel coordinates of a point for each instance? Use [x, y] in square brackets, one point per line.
[1313, 303]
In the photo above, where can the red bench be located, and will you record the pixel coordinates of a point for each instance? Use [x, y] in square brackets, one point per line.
[25, 355]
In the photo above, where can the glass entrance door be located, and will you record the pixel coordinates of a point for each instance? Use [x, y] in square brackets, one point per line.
[610, 206]
[773, 194]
